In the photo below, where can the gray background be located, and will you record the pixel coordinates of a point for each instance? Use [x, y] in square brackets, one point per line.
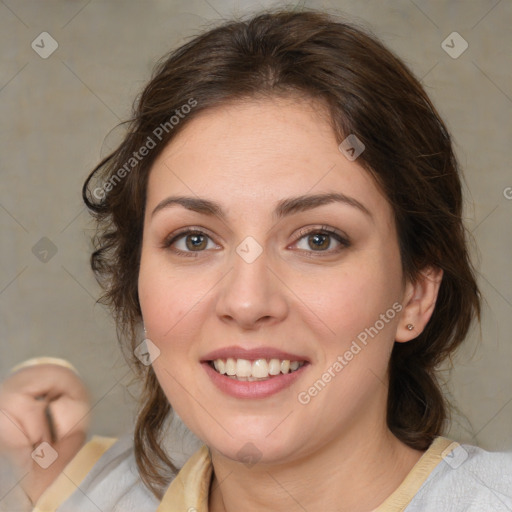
[55, 115]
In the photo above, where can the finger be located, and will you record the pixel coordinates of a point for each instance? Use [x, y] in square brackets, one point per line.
[46, 381]
[12, 432]
[70, 416]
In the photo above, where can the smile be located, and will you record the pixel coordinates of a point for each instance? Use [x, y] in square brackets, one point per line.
[256, 370]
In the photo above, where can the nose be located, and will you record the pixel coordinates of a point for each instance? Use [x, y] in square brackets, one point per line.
[252, 295]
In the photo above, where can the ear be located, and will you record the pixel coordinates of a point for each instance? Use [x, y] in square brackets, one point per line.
[419, 302]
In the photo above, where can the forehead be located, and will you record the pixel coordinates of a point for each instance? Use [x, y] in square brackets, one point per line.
[255, 153]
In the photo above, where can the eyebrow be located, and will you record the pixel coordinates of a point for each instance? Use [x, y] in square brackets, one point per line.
[284, 208]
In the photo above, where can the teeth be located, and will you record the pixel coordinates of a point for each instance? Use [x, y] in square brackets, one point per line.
[260, 369]
[230, 366]
[274, 367]
[243, 368]
[220, 365]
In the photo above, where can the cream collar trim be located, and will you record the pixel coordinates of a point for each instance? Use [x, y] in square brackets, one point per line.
[189, 491]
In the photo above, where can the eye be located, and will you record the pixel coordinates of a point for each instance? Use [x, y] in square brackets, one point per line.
[321, 240]
[188, 242]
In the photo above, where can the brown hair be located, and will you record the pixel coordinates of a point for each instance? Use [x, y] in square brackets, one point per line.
[369, 92]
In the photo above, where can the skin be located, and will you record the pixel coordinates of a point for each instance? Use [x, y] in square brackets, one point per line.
[294, 297]
[24, 426]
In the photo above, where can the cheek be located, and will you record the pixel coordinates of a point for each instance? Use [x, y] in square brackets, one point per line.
[168, 298]
[167, 301]
[351, 298]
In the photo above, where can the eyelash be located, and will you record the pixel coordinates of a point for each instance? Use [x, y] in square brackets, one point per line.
[324, 230]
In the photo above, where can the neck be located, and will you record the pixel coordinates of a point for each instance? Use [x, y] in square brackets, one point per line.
[354, 473]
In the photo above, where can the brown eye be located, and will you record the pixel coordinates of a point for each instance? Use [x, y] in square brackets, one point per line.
[321, 241]
[196, 242]
[188, 242]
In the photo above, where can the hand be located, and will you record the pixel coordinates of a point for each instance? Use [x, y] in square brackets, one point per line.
[45, 402]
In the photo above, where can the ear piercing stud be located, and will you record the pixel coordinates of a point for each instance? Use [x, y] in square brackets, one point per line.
[410, 327]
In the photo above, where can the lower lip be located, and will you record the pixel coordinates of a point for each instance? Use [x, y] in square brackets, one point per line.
[254, 389]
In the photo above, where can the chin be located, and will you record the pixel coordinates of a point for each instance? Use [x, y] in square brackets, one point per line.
[257, 446]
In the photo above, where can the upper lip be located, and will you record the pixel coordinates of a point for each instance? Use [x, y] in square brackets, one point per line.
[237, 352]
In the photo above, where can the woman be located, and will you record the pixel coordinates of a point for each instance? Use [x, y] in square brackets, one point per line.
[284, 219]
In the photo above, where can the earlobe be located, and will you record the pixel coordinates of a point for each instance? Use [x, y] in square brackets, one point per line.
[419, 303]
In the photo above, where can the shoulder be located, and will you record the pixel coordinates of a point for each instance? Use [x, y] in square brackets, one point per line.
[113, 484]
[468, 478]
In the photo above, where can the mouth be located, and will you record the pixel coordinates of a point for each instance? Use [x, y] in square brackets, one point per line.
[254, 370]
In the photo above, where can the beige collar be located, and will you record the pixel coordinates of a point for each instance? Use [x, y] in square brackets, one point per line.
[73, 474]
[189, 491]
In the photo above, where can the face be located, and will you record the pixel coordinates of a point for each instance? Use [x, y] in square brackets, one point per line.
[265, 273]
